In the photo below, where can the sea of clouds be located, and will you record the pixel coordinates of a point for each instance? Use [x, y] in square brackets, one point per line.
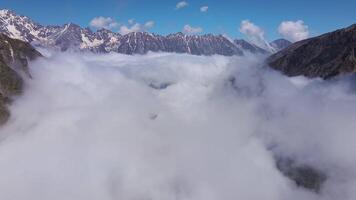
[174, 127]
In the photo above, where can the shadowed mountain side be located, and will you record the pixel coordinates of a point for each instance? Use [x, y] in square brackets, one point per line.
[325, 56]
[14, 57]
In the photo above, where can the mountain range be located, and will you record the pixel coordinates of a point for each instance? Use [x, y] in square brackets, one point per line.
[72, 37]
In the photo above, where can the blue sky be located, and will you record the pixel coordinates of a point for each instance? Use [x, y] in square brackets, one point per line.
[222, 17]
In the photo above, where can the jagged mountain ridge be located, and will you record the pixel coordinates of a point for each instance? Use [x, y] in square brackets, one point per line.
[72, 36]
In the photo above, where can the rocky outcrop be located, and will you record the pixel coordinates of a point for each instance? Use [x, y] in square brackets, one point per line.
[4, 112]
[14, 57]
[303, 175]
[326, 56]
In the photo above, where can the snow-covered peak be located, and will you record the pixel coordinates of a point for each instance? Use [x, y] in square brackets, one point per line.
[3, 12]
[18, 27]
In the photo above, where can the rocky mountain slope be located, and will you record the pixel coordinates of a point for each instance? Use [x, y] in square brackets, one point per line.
[326, 56]
[14, 57]
[243, 44]
[73, 37]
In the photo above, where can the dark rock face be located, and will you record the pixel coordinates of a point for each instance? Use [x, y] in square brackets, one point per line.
[16, 53]
[326, 56]
[4, 112]
[159, 86]
[304, 176]
[14, 57]
[280, 44]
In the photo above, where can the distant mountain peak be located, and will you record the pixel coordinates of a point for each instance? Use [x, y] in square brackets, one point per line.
[6, 12]
[252, 48]
[280, 44]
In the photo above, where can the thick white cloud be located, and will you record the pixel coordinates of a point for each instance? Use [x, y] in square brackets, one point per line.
[294, 30]
[92, 127]
[103, 22]
[181, 5]
[204, 9]
[254, 34]
[251, 30]
[111, 135]
[135, 27]
[192, 30]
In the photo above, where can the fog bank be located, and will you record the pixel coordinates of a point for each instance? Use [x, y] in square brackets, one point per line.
[170, 126]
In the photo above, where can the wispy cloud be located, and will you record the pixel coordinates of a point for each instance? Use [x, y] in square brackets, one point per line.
[149, 24]
[135, 27]
[103, 22]
[254, 33]
[181, 5]
[204, 9]
[192, 30]
[131, 21]
[294, 30]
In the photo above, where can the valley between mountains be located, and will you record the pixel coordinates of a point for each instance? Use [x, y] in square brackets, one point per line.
[99, 115]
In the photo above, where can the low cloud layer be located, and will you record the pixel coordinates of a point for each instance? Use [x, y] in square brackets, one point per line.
[192, 30]
[293, 30]
[170, 126]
